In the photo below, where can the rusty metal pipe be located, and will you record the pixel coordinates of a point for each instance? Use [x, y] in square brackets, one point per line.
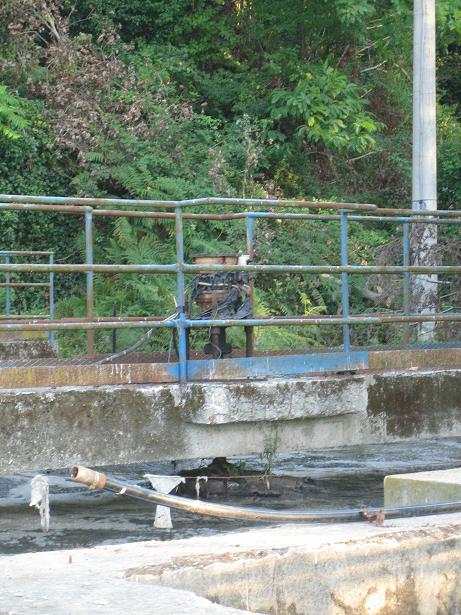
[58, 325]
[204, 268]
[84, 268]
[25, 317]
[352, 269]
[123, 213]
[60, 200]
[388, 211]
[19, 284]
[324, 320]
[75, 210]
[99, 480]
[26, 252]
[31, 318]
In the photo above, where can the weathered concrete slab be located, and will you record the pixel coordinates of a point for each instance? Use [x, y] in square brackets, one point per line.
[407, 566]
[422, 487]
[62, 372]
[102, 596]
[63, 375]
[427, 358]
[53, 428]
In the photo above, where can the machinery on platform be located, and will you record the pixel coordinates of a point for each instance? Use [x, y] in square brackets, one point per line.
[222, 295]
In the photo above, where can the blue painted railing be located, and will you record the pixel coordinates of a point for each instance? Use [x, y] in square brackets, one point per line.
[185, 369]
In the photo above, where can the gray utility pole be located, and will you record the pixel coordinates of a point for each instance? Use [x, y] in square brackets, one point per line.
[424, 237]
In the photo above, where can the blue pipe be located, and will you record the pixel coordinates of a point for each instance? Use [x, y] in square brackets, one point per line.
[406, 279]
[406, 263]
[51, 300]
[89, 277]
[345, 282]
[8, 290]
[182, 341]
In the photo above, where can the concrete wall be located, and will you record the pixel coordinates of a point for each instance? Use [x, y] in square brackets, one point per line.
[407, 567]
[423, 487]
[413, 572]
[53, 428]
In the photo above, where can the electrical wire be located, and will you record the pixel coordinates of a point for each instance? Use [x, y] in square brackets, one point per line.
[134, 346]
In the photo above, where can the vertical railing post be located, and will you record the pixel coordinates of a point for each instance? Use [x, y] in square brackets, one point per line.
[8, 289]
[345, 281]
[89, 278]
[406, 280]
[114, 331]
[249, 338]
[181, 325]
[51, 300]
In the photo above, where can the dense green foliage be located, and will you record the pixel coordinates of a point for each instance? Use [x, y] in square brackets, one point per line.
[189, 98]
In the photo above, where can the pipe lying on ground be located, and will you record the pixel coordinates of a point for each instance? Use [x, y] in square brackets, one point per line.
[99, 480]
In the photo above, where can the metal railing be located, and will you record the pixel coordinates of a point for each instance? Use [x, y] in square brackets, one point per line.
[8, 256]
[343, 213]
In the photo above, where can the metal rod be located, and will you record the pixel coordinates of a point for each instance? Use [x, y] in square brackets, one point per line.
[168, 215]
[24, 199]
[345, 282]
[114, 331]
[32, 317]
[119, 213]
[99, 480]
[449, 213]
[52, 336]
[386, 215]
[20, 200]
[84, 326]
[182, 338]
[406, 279]
[26, 252]
[189, 268]
[7, 292]
[84, 268]
[30, 325]
[53, 208]
[326, 320]
[89, 278]
[28, 317]
[401, 219]
[351, 269]
[249, 332]
[336, 217]
[25, 284]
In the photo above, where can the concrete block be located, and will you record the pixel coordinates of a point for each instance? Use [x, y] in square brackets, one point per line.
[58, 427]
[422, 487]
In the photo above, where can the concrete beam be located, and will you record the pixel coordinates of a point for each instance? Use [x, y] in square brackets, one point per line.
[54, 428]
[66, 373]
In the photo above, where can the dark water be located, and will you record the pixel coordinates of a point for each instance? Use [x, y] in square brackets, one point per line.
[340, 478]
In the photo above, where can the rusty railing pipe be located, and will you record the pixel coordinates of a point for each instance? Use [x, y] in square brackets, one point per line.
[91, 202]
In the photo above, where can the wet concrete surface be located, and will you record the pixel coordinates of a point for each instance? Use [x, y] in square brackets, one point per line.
[330, 479]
